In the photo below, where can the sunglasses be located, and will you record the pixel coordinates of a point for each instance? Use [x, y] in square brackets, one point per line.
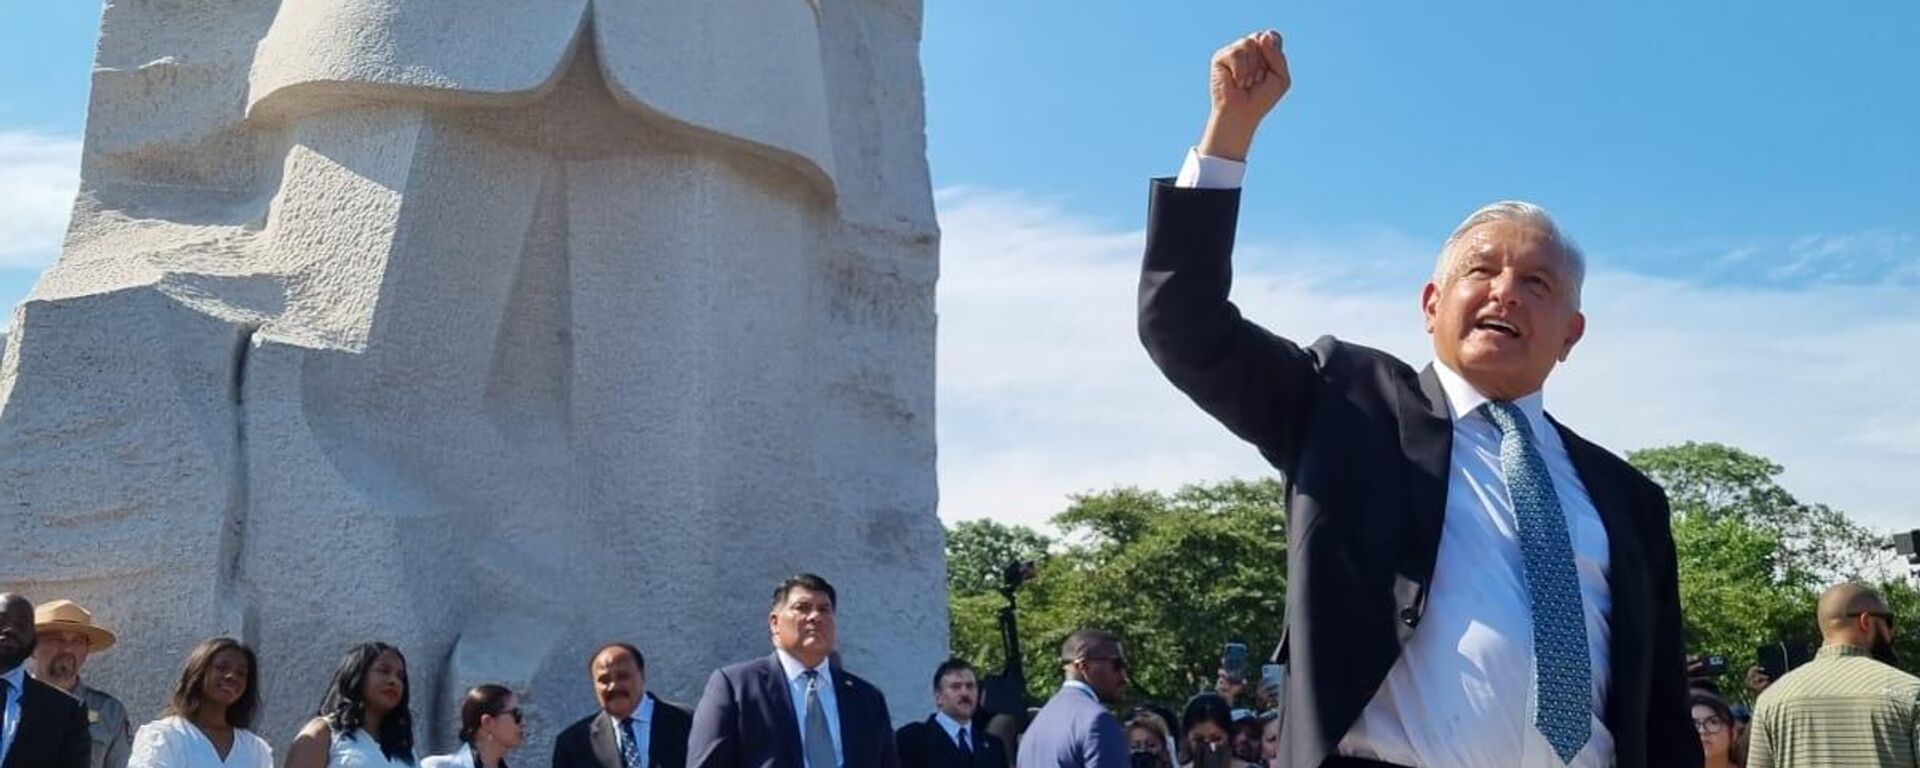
[1119, 662]
[514, 713]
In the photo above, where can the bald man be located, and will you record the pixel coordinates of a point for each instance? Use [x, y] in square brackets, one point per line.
[1849, 706]
[1074, 729]
[40, 726]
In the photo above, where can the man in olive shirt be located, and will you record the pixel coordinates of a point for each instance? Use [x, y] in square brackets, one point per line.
[1849, 706]
[67, 637]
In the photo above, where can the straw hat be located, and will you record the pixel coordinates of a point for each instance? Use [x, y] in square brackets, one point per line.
[68, 616]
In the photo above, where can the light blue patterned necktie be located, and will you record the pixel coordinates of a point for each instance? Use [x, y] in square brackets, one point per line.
[1562, 677]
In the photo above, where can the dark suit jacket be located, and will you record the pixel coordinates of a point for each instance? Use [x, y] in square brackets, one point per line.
[593, 742]
[1364, 442]
[745, 719]
[52, 732]
[925, 744]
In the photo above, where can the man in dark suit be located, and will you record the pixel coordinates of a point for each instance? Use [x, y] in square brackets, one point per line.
[949, 738]
[40, 726]
[1074, 729]
[1470, 583]
[633, 728]
[796, 708]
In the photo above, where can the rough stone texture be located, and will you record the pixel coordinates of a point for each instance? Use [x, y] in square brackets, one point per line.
[495, 330]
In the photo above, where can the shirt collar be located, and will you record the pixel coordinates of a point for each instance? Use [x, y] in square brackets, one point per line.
[1082, 687]
[644, 712]
[1830, 651]
[953, 726]
[795, 669]
[1463, 400]
[16, 677]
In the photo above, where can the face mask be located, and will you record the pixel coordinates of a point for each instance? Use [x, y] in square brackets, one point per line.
[1143, 759]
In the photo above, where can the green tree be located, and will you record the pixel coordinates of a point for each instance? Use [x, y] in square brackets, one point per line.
[978, 550]
[1815, 542]
[1176, 575]
[1752, 558]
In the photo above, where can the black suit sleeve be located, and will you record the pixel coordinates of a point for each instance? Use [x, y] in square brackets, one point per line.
[1259, 385]
[673, 726]
[1671, 738]
[714, 741]
[906, 742]
[76, 750]
[883, 730]
[564, 752]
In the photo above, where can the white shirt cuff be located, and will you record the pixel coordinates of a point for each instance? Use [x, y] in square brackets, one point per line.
[1203, 172]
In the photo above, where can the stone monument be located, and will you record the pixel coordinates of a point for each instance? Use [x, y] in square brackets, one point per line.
[496, 330]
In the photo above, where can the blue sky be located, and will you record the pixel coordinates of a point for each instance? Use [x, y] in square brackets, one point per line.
[1745, 179]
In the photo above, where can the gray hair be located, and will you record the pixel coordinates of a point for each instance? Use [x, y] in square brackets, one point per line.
[1526, 213]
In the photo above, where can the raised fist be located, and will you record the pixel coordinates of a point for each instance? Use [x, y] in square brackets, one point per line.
[1248, 78]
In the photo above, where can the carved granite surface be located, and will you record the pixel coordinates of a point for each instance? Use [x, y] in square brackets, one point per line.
[494, 329]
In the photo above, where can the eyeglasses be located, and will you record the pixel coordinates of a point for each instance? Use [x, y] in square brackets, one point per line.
[514, 713]
[1119, 662]
[1710, 725]
[1881, 615]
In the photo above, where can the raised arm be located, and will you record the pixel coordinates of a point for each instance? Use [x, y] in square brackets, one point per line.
[1259, 385]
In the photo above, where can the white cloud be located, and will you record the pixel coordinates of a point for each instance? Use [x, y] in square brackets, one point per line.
[38, 176]
[1045, 391]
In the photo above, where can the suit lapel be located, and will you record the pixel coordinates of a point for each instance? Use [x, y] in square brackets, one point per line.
[1629, 594]
[849, 710]
[773, 686]
[1426, 439]
[606, 743]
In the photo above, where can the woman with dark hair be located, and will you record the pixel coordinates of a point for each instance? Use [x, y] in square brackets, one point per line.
[364, 719]
[205, 725]
[1206, 727]
[1713, 720]
[490, 727]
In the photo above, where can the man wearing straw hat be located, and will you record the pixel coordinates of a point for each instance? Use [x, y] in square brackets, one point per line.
[67, 637]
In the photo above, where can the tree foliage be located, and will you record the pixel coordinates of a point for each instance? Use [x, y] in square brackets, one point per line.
[1178, 575]
[1175, 575]
[1753, 559]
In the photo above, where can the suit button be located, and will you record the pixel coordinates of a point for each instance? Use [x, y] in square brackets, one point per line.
[1410, 616]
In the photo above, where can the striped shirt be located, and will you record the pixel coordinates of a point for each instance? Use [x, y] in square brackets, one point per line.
[1842, 709]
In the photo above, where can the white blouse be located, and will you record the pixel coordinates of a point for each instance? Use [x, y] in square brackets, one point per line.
[175, 743]
[358, 749]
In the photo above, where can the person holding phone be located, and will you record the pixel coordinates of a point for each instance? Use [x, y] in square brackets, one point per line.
[1206, 727]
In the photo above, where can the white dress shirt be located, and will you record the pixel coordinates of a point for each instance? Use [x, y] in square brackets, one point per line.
[1457, 696]
[173, 742]
[953, 730]
[16, 678]
[797, 685]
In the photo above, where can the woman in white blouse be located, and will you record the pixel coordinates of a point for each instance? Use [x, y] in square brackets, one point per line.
[205, 726]
[490, 727]
[365, 719]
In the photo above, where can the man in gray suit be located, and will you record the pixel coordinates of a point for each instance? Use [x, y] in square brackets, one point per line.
[1074, 729]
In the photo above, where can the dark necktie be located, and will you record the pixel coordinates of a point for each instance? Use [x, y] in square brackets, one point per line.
[6, 686]
[966, 744]
[1562, 700]
[630, 746]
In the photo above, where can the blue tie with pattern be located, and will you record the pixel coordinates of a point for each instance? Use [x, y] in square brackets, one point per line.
[630, 746]
[1562, 678]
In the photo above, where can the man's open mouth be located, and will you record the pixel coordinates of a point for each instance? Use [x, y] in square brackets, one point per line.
[1497, 325]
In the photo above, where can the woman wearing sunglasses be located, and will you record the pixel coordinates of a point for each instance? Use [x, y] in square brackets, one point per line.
[490, 727]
